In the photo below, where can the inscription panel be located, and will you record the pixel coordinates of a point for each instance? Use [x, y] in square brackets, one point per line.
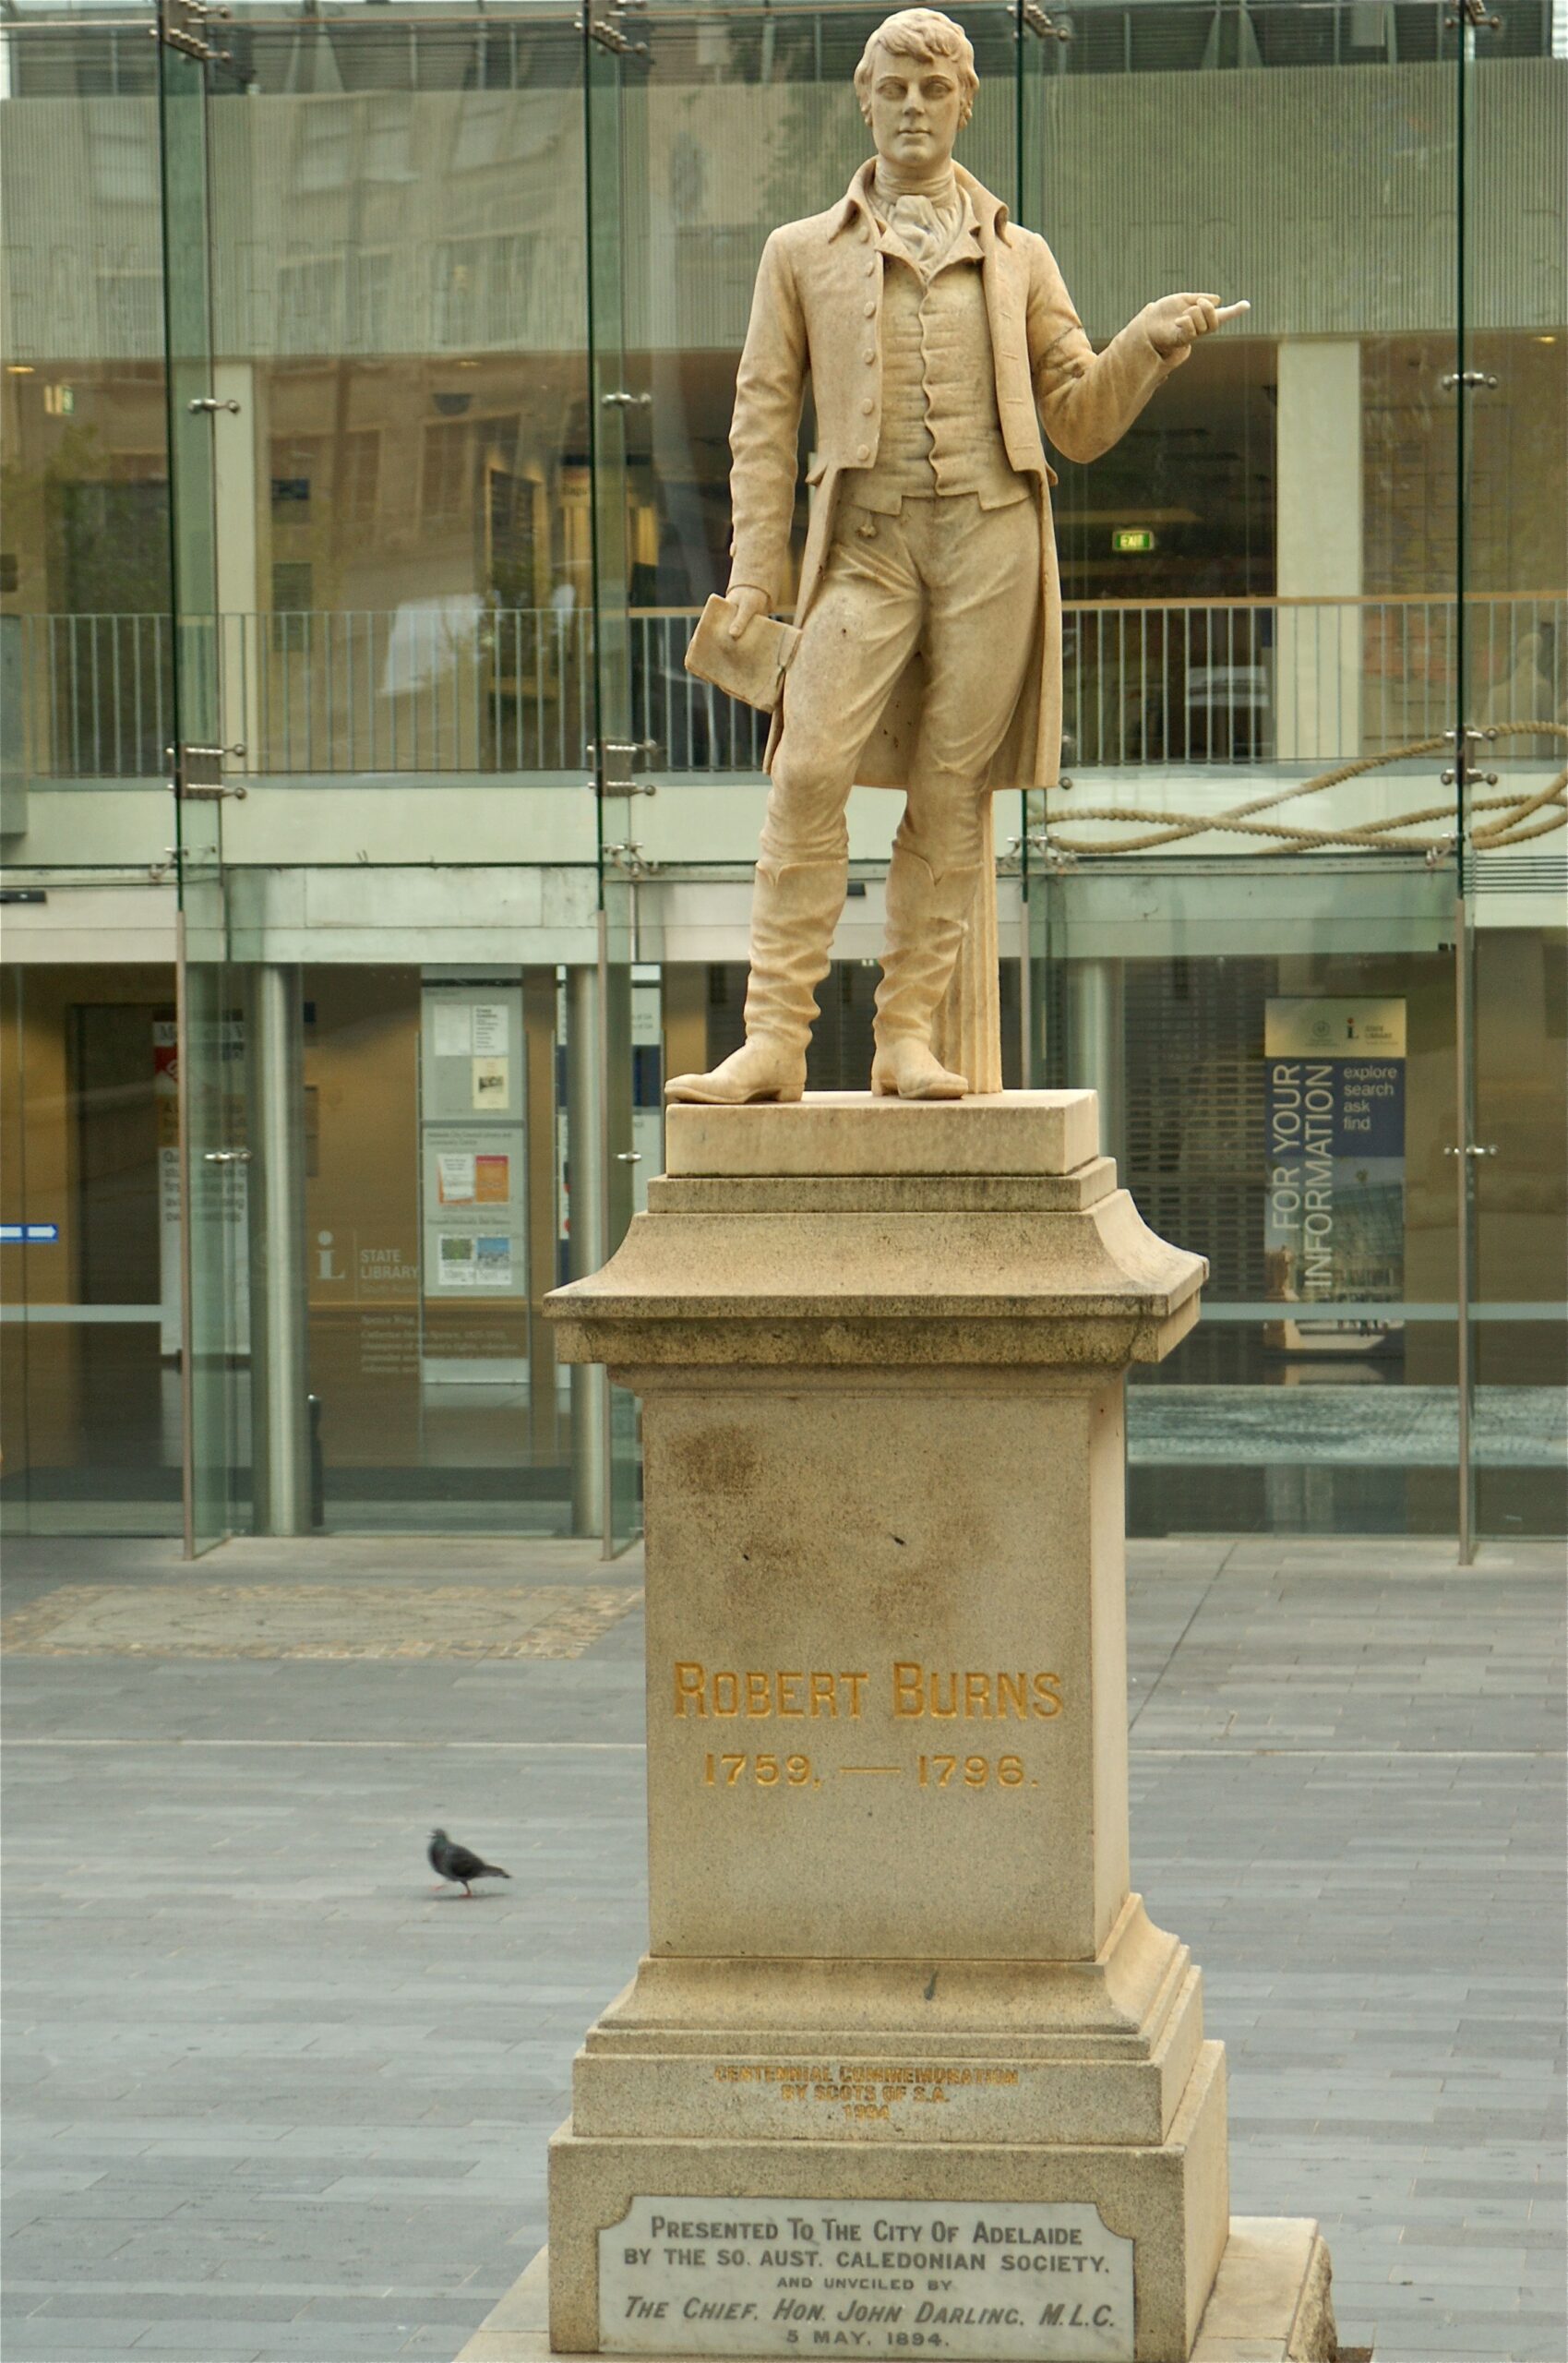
[880, 2277]
[874, 1707]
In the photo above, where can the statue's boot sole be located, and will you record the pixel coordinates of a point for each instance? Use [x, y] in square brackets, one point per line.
[679, 1095]
[940, 1085]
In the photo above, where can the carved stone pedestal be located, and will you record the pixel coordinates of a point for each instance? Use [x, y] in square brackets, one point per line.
[906, 2068]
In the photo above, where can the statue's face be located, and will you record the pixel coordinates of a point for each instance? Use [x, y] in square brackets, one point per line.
[914, 111]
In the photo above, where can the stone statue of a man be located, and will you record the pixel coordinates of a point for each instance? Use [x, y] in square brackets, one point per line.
[938, 337]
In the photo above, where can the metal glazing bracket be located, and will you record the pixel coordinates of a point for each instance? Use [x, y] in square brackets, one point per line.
[615, 772]
[1044, 853]
[1464, 773]
[211, 403]
[1468, 380]
[630, 857]
[199, 773]
[181, 25]
[1044, 28]
[608, 35]
[1475, 12]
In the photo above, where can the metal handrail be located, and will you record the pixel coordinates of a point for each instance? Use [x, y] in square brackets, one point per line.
[457, 685]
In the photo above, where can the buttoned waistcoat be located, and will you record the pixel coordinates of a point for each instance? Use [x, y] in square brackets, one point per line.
[941, 434]
[816, 312]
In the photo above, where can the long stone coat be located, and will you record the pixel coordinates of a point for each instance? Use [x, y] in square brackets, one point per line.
[816, 312]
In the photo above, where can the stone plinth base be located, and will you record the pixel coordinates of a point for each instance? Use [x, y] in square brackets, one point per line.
[1164, 2202]
[1271, 2304]
[902, 2092]
[906, 2073]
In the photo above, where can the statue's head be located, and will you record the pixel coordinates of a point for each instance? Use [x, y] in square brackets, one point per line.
[917, 84]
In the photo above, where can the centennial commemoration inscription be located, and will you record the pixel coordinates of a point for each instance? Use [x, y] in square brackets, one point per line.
[877, 2277]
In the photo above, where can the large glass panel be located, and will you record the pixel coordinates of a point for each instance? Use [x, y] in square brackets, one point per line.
[405, 559]
[86, 686]
[89, 1267]
[435, 1210]
[404, 637]
[1242, 897]
[1509, 398]
[1519, 1452]
[1317, 1395]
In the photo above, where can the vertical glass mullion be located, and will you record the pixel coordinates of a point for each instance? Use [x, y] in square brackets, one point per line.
[1459, 715]
[611, 212]
[210, 1147]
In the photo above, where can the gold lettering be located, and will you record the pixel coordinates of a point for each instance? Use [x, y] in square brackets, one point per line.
[950, 1710]
[909, 1690]
[918, 1690]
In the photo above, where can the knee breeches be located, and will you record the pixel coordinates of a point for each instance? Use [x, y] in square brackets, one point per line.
[957, 583]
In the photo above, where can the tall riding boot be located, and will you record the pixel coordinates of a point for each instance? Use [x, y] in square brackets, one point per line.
[794, 908]
[926, 915]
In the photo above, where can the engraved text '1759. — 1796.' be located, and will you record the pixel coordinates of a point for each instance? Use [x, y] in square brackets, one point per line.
[865, 2277]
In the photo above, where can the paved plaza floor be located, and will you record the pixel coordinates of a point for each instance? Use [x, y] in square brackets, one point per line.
[271, 2097]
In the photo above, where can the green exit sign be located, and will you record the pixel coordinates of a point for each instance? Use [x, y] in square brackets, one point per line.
[1127, 540]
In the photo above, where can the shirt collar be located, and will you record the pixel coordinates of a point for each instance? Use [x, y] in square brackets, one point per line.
[983, 212]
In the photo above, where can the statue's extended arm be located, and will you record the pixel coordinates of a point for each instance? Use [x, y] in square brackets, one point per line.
[770, 388]
[1088, 399]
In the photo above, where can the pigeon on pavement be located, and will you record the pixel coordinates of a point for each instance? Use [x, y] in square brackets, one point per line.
[459, 1865]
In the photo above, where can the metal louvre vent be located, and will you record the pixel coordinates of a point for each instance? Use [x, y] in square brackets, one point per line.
[1522, 873]
[1195, 1113]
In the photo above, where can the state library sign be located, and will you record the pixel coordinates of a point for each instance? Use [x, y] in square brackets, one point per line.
[1334, 1224]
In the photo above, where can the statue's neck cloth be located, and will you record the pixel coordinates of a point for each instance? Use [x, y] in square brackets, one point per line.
[925, 216]
[889, 184]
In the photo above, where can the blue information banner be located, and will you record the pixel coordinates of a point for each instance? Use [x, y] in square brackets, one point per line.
[1333, 1226]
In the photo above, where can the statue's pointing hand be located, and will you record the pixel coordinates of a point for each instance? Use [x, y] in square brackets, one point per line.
[1175, 322]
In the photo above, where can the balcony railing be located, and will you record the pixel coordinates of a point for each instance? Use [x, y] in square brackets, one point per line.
[1153, 694]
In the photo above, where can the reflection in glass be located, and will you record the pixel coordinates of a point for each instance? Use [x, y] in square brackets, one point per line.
[90, 1411]
[1262, 589]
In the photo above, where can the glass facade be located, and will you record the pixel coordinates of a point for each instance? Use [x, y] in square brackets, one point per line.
[366, 392]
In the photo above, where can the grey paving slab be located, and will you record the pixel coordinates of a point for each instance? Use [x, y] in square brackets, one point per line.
[80, 2334]
[271, 2098]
